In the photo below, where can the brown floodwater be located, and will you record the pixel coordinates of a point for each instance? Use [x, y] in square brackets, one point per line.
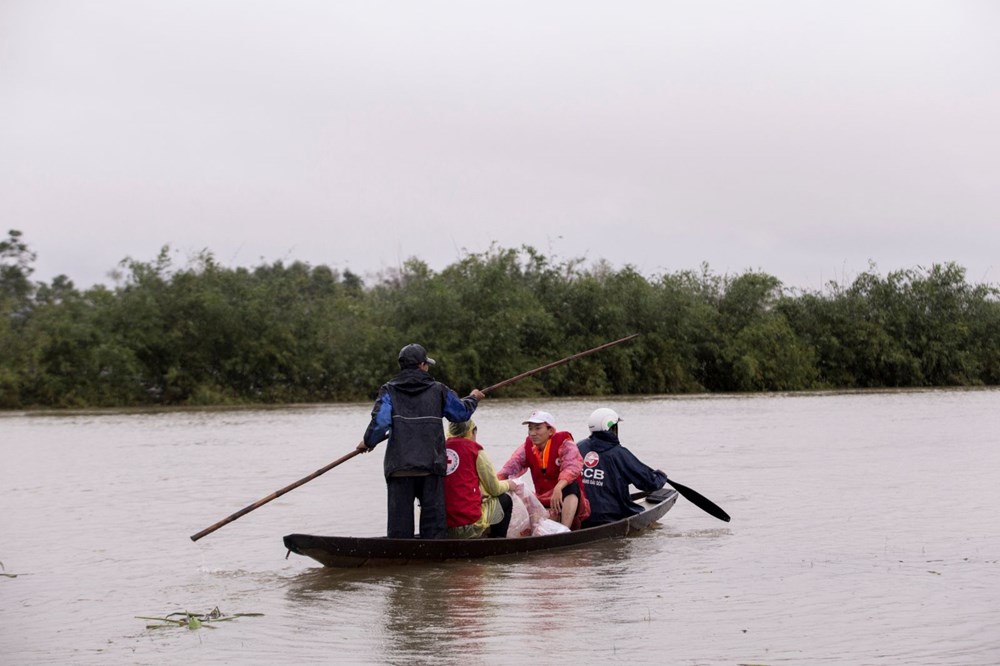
[864, 531]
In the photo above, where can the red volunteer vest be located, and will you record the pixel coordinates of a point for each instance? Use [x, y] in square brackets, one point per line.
[462, 498]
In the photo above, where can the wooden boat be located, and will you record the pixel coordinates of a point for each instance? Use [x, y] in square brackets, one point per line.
[347, 552]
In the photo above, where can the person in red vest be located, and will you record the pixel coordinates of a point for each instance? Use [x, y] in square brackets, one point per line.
[476, 501]
[555, 465]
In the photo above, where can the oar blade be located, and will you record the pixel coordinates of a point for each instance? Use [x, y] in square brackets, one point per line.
[700, 501]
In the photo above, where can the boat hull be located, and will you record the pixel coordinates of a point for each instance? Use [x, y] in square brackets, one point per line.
[351, 552]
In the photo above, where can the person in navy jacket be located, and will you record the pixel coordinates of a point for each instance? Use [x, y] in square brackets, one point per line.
[609, 468]
[408, 412]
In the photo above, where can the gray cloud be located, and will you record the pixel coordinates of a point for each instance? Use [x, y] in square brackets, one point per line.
[800, 138]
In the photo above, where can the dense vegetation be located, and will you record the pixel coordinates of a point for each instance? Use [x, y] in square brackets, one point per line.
[207, 334]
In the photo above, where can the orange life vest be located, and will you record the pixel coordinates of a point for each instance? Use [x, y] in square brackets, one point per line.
[544, 465]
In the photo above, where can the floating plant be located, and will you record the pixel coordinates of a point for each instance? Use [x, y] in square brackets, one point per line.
[194, 620]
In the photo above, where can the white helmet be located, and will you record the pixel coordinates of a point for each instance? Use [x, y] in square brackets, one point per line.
[603, 419]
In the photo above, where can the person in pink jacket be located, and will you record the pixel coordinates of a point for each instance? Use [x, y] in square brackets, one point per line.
[555, 465]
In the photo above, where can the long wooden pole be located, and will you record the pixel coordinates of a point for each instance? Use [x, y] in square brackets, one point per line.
[261, 502]
[558, 363]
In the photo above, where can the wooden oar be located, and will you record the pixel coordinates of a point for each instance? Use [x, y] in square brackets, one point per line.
[700, 501]
[274, 495]
[261, 502]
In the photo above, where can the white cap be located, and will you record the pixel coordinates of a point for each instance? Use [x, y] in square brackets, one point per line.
[538, 416]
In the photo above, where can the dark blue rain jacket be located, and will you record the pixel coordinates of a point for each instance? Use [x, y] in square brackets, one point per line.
[408, 410]
[608, 469]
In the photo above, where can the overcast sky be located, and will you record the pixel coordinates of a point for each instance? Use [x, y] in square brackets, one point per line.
[801, 138]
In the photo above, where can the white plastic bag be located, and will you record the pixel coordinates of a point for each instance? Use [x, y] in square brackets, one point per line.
[535, 509]
[548, 526]
[520, 523]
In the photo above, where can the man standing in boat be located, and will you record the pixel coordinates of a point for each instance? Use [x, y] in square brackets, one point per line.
[555, 465]
[609, 468]
[408, 411]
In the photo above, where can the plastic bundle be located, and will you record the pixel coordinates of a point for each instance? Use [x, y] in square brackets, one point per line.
[548, 526]
[534, 520]
[520, 522]
[536, 510]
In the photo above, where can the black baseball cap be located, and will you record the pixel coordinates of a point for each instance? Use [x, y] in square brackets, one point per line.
[413, 355]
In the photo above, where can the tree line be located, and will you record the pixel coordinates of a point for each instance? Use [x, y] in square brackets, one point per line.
[204, 334]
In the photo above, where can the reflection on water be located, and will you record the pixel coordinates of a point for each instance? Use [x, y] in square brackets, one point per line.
[437, 612]
[461, 610]
[863, 532]
[467, 611]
